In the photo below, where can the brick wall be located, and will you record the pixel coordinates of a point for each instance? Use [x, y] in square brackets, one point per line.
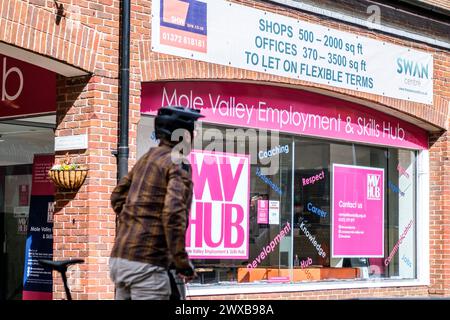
[384, 13]
[326, 294]
[84, 225]
[84, 221]
[440, 215]
[88, 37]
[33, 25]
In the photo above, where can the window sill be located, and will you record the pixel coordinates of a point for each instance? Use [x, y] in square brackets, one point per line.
[254, 288]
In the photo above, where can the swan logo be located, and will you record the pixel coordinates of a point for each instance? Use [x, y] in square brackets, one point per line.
[412, 68]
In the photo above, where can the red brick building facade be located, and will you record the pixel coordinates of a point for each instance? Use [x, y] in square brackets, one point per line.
[85, 36]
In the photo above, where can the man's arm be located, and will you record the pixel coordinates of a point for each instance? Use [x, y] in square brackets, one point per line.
[174, 217]
[120, 193]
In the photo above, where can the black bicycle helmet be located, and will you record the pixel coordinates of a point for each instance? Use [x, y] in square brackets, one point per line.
[171, 118]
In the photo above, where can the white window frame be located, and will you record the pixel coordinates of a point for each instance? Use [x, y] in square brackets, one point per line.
[422, 258]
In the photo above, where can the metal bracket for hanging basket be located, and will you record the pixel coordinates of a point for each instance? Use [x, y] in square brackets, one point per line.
[70, 180]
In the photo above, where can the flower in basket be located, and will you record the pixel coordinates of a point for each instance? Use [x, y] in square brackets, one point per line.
[73, 166]
[67, 164]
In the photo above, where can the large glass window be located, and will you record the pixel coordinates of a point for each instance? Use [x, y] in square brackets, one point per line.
[269, 207]
[292, 223]
[18, 145]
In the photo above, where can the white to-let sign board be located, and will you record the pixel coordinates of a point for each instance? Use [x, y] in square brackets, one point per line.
[234, 35]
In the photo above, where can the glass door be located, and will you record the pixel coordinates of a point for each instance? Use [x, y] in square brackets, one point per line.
[311, 208]
[20, 140]
[14, 207]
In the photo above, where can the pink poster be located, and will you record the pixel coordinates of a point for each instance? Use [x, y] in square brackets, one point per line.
[219, 217]
[357, 212]
[263, 211]
[285, 110]
[41, 183]
[24, 194]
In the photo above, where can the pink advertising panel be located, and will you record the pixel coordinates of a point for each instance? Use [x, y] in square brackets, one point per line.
[263, 212]
[357, 212]
[219, 217]
[41, 183]
[25, 89]
[286, 110]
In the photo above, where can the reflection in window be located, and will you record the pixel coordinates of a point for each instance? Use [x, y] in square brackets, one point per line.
[290, 212]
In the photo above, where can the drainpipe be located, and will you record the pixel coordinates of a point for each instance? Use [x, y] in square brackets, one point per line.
[123, 149]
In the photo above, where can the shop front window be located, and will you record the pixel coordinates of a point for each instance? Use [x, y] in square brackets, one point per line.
[19, 144]
[269, 207]
[308, 213]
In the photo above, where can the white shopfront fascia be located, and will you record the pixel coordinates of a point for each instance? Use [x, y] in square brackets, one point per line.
[422, 245]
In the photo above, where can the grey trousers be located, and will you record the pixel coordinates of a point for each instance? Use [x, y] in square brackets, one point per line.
[139, 281]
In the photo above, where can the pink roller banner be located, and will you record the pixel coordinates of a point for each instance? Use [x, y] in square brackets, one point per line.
[219, 217]
[37, 280]
[357, 212]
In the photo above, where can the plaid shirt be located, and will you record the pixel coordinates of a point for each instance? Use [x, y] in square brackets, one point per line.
[152, 203]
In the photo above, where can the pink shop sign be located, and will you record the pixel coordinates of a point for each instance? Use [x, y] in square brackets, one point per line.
[25, 89]
[286, 110]
[219, 216]
[357, 211]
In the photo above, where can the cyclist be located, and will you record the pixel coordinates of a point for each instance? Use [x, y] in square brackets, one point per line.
[152, 203]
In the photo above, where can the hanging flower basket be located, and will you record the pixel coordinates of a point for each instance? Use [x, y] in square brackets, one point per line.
[68, 175]
[68, 179]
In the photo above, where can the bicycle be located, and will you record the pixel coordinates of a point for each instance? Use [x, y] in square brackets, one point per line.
[61, 267]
